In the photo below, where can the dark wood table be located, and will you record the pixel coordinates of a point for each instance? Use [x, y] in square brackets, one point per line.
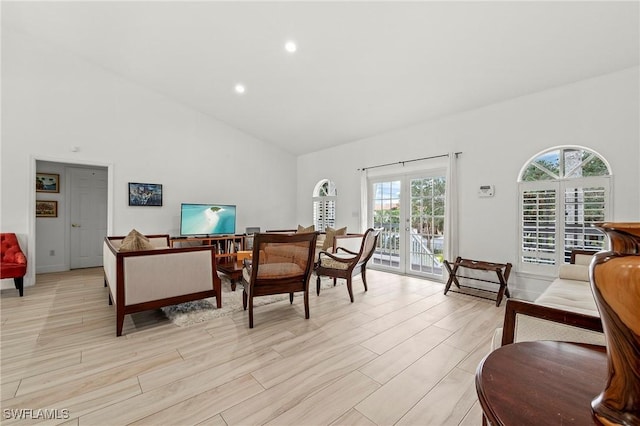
[232, 270]
[541, 383]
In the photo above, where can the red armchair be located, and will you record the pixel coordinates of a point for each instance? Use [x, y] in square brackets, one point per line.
[13, 263]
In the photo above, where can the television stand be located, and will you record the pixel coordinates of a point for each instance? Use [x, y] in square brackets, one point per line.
[226, 245]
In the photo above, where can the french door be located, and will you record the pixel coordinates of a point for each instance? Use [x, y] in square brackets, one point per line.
[410, 211]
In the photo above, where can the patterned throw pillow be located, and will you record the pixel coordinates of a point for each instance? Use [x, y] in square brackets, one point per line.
[135, 241]
[328, 241]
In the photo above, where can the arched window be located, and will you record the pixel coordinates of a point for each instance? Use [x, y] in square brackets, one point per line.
[324, 205]
[563, 191]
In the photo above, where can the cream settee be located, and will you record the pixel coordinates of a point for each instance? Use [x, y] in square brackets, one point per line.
[149, 279]
[565, 311]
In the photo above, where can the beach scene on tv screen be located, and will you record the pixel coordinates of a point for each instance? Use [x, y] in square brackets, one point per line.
[208, 219]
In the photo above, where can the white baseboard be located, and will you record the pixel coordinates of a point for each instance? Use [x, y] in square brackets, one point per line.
[51, 268]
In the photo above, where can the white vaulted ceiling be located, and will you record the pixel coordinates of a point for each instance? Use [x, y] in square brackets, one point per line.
[360, 69]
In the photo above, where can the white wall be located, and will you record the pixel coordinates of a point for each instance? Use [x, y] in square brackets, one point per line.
[50, 231]
[52, 101]
[601, 114]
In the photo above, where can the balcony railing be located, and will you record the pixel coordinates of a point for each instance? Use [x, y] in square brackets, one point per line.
[422, 256]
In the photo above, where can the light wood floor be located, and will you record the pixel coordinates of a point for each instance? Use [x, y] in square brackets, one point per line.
[402, 354]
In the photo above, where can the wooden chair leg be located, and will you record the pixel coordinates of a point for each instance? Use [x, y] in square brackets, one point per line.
[251, 312]
[335, 281]
[110, 300]
[291, 298]
[244, 299]
[318, 285]
[119, 323]
[363, 272]
[350, 289]
[306, 305]
[19, 283]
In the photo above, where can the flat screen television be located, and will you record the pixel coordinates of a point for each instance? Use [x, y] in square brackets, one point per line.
[207, 219]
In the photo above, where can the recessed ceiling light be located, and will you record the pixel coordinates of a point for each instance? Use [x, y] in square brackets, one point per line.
[239, 88]
[290, 46]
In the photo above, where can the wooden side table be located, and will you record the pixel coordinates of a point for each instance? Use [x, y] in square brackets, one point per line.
[541, 383]
[502, 270]
[232, 270]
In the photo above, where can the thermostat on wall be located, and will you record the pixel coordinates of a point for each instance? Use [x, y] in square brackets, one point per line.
[486, 191]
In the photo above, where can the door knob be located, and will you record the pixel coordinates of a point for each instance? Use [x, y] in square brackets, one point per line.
[75, 225]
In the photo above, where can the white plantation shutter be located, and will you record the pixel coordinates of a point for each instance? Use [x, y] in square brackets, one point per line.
[538, 225]
[324, 213]
[584, 206]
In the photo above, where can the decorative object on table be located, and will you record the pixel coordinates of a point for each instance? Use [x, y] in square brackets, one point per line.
[145, 194]
[46, 208]
[242, 255]
[47, 182]
[13, 262]
[615, 281]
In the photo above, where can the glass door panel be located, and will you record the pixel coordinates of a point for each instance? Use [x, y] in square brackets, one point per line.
[425, 244]
[386, 197]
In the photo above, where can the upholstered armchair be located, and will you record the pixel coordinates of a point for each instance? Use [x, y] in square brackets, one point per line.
[345, 263]
[281, 263]
[14, 262]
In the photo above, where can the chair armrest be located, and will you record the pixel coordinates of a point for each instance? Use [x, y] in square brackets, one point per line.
[20, 258]
[351, 242]
[336, 258]
[522, 307]
[347, 250]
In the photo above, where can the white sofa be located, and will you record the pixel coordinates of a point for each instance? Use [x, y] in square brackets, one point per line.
[565, 311]
[163, 276]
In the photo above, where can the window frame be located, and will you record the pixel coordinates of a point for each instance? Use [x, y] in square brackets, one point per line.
[559, 185]
[324, 203]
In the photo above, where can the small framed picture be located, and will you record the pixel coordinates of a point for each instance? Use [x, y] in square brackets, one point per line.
[46, 208]
[47, 182]
[145, 194]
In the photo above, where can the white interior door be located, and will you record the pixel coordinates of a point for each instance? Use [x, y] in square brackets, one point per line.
[87, 215]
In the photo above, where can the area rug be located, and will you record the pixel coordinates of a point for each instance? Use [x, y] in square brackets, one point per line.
[203, 310]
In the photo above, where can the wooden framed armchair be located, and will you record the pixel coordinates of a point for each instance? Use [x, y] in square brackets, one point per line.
[14, 262]
[281, 263]
[345, 263]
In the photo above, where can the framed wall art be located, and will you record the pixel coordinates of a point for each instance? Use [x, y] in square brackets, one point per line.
[47, 182]
[46, 208]
[145, 194]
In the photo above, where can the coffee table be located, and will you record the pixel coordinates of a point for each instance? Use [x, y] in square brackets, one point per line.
[231, 270]
[541, 383]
